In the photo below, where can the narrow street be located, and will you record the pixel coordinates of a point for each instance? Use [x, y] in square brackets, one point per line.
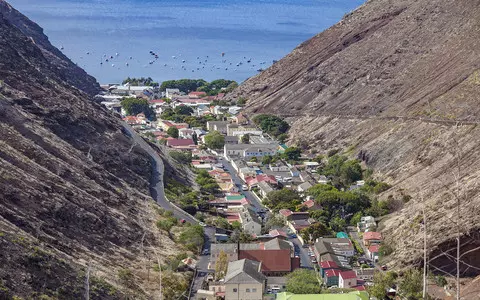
[305, 260]
[203, 260]
[239, 182]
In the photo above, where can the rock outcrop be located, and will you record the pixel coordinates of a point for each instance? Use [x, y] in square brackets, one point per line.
[73, 190]
[398, 83]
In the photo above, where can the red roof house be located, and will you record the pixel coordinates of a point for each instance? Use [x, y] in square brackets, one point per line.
[274, 262]
[278, 233]
[285, 212]
[181, 144]
[372, 237]
[196, 94]
[347, 279]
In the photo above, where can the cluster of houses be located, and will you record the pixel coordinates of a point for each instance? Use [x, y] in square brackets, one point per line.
[254, 269]
[371, 238]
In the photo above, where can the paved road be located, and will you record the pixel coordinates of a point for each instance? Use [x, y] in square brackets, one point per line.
[239, 182]
[156, 185]
[305, 260]
[203, 260]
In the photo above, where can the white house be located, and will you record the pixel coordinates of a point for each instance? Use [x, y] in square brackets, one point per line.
[169, 93]
[347, 279]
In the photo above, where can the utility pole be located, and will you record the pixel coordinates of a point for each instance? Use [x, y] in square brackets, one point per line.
[87, 283]
[424, 249]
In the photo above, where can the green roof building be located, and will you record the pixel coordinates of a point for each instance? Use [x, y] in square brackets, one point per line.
[350, 296]
[282, 148]
[234, 197]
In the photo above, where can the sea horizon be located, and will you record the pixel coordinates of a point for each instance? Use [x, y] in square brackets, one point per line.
[205, 39]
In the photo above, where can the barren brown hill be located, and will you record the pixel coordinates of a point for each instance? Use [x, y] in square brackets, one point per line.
[65, 68]
[72, 193]
[399, 83]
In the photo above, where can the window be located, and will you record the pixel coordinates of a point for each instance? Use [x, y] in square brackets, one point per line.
[247, 290]
[234, 290]
[254, 290]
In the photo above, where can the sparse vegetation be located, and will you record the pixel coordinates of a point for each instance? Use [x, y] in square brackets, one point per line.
[271, 124]
[181, 157]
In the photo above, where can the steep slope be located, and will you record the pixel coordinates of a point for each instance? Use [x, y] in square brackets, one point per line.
[73, 190]
[66, 69]
[399, 83]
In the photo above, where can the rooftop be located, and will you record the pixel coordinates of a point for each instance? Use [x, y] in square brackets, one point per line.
[328, 264]
[332, 273]
[348, 274]
[358, 295]
[372, 236]
[244, 271]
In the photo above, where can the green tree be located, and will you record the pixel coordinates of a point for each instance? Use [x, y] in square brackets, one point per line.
[245, 139]
[276, 221]
[338, 224]
[271, 124]
[357, 217]
[166, 224]
[236, 225]
[303, 281]
[315, 231]
[267, 159]
[221, 265]
[214, 140]
[382, 282]
[173, 132]
[283, 198]
[183, 110]
[411, 284]
[292, 153]
[134, 106]
[184, 85]
[282, 138]
[350, 172]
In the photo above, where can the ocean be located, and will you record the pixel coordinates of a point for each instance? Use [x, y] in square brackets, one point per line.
[208, 39]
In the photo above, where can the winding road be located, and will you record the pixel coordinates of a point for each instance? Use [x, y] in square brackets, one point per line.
[156, 185]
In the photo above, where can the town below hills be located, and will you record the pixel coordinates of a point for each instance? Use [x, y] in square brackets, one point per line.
[208, 190]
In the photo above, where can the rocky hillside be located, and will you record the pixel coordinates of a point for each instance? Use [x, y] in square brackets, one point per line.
[398, 83]
[65, 68]
[73, 190]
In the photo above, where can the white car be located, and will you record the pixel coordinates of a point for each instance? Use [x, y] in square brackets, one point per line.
[244, 187]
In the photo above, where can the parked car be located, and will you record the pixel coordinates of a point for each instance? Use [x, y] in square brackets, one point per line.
[292, 236]
[183, 221]
[305, 246]
[244, 187]
[384, 268]
[202, 224]
[206, 252]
